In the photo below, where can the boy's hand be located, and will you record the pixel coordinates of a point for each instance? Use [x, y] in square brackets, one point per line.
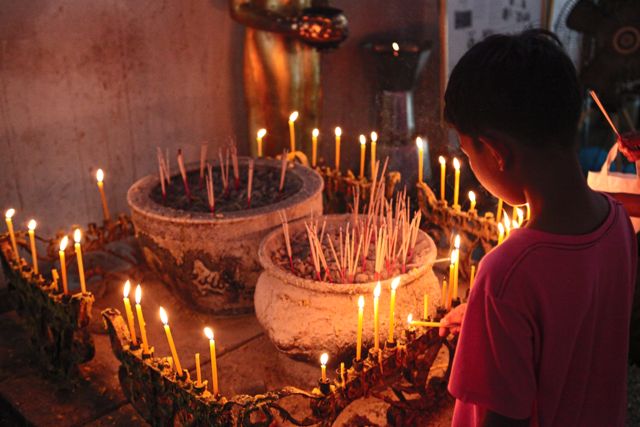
[629, 145]
[452, 322]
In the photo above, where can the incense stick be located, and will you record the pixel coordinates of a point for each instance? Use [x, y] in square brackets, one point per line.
[210, 193]
[604, 112]
[234, 160]
[250, 182]
[203, 157]
[283, 169]
[183, 172]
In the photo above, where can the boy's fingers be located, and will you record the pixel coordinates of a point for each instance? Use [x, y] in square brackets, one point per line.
[443, 332]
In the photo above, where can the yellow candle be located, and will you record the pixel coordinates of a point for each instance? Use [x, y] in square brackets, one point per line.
[165, 321]
[363, 149]
[456, 244]
[426, 324]
[472, 201]
[456, 183]
[323, 366]
[143, 325]
[376, 320]
[445, 298]
[338, 133]
[507, 224]
[452, 269]
[32, 240]
[342, 380]
[63, 265]
[127, 309]
[374, 142]
[528, 211]
[420, 145]
[261, 133]
[7, 217]
[514, 212]
[425, 314]
[443, 171]
[520, 215]
[500, 233]
[198, 373]
[499, 211]
[472, 276]
[77, 237]
[214, 364]
[392, 306]
[314, 147]
[292, 130]
[360, 316]
[105, 208]
[514, 224]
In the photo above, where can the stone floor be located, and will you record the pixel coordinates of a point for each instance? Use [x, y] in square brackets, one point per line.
[247, 361]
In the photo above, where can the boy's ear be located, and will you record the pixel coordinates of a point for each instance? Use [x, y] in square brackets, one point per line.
[500, 151]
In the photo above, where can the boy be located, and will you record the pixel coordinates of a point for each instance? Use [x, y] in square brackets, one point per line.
[544, 337]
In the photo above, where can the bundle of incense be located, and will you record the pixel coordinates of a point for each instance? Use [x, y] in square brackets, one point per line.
[283, 169]
[336, 259]
[250, 182]
[183, 173]
[314, 254]
[234, 161]
[287, 236]
[224, 172]
[210, 194]
[203, 158]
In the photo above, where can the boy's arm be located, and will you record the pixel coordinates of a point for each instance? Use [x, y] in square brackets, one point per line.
[631, 202]
[493, 419]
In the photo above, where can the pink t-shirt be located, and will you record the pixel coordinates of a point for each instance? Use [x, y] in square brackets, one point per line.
[545, 334]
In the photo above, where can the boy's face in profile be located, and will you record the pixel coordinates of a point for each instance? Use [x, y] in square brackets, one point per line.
[493, 165]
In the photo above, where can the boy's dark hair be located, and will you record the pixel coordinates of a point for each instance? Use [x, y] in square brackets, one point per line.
[523, 85]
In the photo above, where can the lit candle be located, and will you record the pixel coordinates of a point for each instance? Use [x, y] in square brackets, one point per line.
[507, 224]
[374, 142]
[425, 324]
[7, 217]
[472, 201]
[198, 373]
[456, 244]
[165, 321]
[63, 265]
[472, 276]
[456, 183]
[410, 322]
[338, 133]
[376, 320]
[443, 171]
[452, 269]
[261, 133]
[214, 364]
[360, 316]
[499, 211]
[314, 147]
[323, 366]
[520, 215]
[425, 314]
[500, 232]
[392, 306]
[342, 380]
[127, 309]
[105, 208]
[32, 240]
[514, 224]
[420, 145]
[292, 130]
[363, 149]
[77, 237]
[528, 211]
[143, 325]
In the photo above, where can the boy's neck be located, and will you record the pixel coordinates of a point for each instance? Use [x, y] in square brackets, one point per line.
[561, 201]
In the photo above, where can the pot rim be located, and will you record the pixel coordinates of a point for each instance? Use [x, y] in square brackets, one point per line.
[139, 200]
[340, 288]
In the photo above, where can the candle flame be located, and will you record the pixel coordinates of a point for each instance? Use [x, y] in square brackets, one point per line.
[520, 214]
[127, 288]
[363, 140]
[454, 256]
[32, 225]
[420, 143]
[360, 301]
[163, 316]
[64, 242]
[9, 213]
[442, 160]
[138, 294]
[395, 46]
[377, 290]
[338, 131]
[315, 133]
[456, 242]
[472, 196]
[208, 333]
[514, 224]
[262, 133]
[100, 175]
[410, 319]
[506, 220]
[395, 283]
[324, 359]
[293, 117]
[77, 235]
[456, 163]
[500, 228]
[374, 136]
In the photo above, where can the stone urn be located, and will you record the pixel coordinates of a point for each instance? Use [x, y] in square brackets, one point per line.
[305, 318]
[210, 261]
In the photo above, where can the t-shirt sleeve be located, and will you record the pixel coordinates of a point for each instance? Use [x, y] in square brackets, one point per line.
[494, 362]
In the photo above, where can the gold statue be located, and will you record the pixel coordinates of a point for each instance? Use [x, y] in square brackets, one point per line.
[282, 65]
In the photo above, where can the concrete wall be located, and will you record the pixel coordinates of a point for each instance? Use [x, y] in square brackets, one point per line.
[88, 84]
